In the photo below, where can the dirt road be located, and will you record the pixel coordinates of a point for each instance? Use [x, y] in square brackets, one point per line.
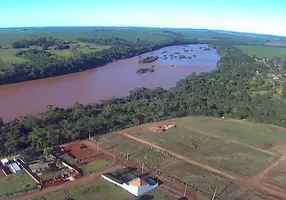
[281, 194]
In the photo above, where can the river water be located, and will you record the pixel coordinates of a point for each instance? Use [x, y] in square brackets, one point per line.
[114, 79]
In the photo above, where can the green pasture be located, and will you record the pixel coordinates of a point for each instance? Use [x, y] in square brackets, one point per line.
[16, 182]
[263, 51]
[210, 150]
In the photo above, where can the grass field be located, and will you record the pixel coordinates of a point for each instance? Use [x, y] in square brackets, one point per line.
[231, 146]
[277, 176]
[263, 51]
[137, 152]
[53, 196]
[8, 36]
[16, 182]
[200, 139]
[257, 135]
[94, 165]
[102, 190]
[9, 56]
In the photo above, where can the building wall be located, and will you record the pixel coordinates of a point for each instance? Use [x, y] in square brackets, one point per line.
[136, 191]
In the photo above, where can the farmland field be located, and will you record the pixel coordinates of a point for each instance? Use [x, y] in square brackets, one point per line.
[207, 153]
[8, 36]
[208, 147]
[263, 51]
[16, 183]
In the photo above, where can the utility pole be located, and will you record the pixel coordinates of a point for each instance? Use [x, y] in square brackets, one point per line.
[97, 147]
[89, 135]
[214, 193]
[142, 169]
[127, 156]
[185, 192]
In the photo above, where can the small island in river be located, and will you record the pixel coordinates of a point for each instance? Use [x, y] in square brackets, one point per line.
[145, 70]
[148, 59]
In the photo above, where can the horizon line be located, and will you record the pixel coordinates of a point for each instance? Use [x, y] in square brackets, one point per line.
[158, 27]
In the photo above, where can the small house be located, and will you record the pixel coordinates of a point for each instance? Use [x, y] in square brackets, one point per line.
[137, 186]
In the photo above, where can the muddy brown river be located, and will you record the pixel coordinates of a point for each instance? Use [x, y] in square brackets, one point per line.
[114, 79]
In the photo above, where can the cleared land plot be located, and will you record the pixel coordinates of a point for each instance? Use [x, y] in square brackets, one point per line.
[205, 181]
[257, 135]
[263, 51]
[16, 183]
[277, 175]
[94, 165]
[207, 149]
[137, 152]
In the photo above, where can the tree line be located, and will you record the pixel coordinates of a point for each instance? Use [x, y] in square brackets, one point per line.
[224, 92]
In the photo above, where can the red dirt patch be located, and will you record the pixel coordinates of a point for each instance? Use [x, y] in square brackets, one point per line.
[79, 149]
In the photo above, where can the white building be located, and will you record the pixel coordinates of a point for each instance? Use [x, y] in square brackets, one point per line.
[137, 186]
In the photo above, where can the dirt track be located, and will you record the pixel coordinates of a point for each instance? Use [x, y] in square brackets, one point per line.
[255, 182]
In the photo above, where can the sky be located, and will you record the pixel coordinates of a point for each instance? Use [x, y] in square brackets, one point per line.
[257, 16]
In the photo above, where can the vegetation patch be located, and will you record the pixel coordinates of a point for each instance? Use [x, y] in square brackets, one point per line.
[148, 59]
[145, 70]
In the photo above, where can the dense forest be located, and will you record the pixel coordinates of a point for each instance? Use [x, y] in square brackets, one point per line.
[222, 92]
[43, 64]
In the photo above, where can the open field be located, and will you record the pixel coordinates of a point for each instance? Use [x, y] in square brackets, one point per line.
[94, 165]
[137, 152]
[206, 147]
[102, 190]
[9, 56]
[277, 175]
[53, 196]
[8, 36]
[16, 183]
[263, 51]
[209, 152]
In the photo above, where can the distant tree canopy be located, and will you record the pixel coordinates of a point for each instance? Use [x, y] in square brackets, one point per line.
[222, 92]
[41, 42]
